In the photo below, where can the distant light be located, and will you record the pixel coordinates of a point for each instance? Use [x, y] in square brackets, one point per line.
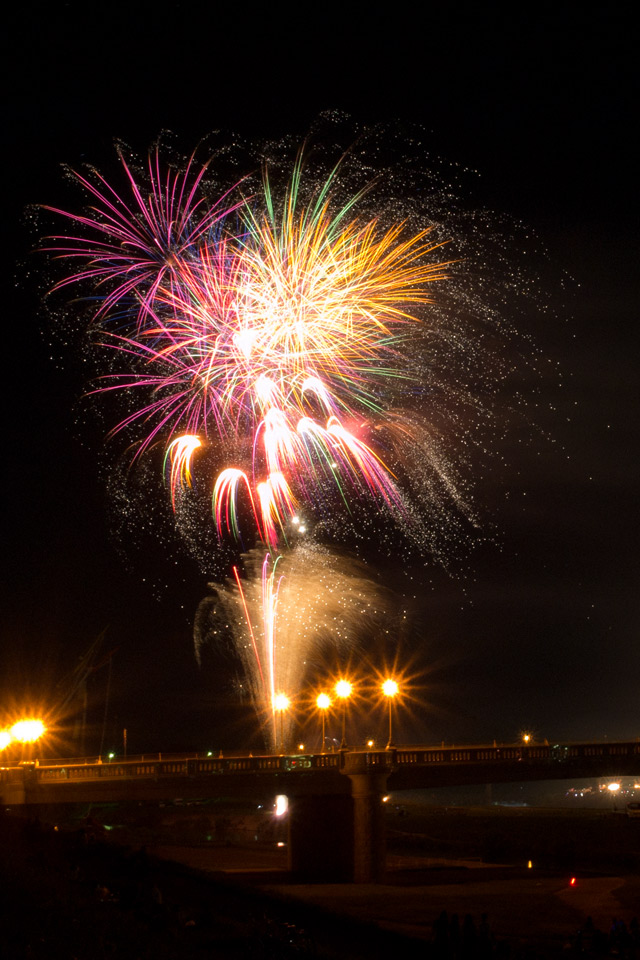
[301, 747]
[280, 843]
[5, 739]
[282, 805]
[370, 743]
[636, 786]
[302, 528]
[529, 864]
[390, 688]
[572, 882]
[614, 787]
[111, 756]
[210, 754]
[295, 520]
[386, 799]
[526, 737]
[27, 731]
[323, 702]
[343, 689]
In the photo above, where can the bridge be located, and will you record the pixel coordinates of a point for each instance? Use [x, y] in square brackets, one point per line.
[336, 823]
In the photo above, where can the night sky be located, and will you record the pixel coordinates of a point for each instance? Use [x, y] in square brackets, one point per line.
[538, 627]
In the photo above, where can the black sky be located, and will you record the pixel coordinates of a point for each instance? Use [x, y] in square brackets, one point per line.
[543, 632]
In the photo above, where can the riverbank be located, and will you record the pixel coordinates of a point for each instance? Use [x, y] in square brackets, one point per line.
[71, 891]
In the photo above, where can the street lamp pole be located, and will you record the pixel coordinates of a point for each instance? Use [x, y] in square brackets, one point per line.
[390, 690]
[343, 692]
[323, 703]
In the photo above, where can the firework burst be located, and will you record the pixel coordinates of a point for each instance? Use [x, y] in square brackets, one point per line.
[270, 337]
[283, 324]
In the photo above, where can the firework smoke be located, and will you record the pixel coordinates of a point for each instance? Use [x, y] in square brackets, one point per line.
[284, 613]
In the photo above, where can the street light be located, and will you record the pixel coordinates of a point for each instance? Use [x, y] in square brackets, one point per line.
[343, 691]
[390, 690]
[281, 704]
[27, 731]
[323, 702]
[24, 732]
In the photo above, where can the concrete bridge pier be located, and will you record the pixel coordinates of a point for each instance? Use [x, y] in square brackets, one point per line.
[13, 791]
[369, 831]
[341, 837]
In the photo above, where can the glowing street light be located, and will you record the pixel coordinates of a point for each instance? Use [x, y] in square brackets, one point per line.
[281, 704]
[27, 731]
[343, 691]
[323, 702]
[5, 739]
[390, 690]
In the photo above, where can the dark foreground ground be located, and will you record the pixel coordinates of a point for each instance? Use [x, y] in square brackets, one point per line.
[73, 893]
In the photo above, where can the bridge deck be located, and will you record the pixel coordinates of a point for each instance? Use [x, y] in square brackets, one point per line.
[405, 767]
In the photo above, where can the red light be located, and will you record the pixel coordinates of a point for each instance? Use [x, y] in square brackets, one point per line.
[572, 882]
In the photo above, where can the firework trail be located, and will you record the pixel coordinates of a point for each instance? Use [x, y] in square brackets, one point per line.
[285, 611]
[276, 327]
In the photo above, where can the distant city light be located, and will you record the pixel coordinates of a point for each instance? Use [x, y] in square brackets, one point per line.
[614, 787]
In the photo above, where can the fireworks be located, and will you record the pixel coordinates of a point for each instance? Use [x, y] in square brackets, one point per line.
[275, 328]
[285, 611]
[278, 324]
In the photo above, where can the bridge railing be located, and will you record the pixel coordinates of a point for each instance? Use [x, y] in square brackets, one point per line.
[194, 766]
[75, 771]
[525, 752]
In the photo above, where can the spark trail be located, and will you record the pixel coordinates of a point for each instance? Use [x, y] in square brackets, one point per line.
[284, 612]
